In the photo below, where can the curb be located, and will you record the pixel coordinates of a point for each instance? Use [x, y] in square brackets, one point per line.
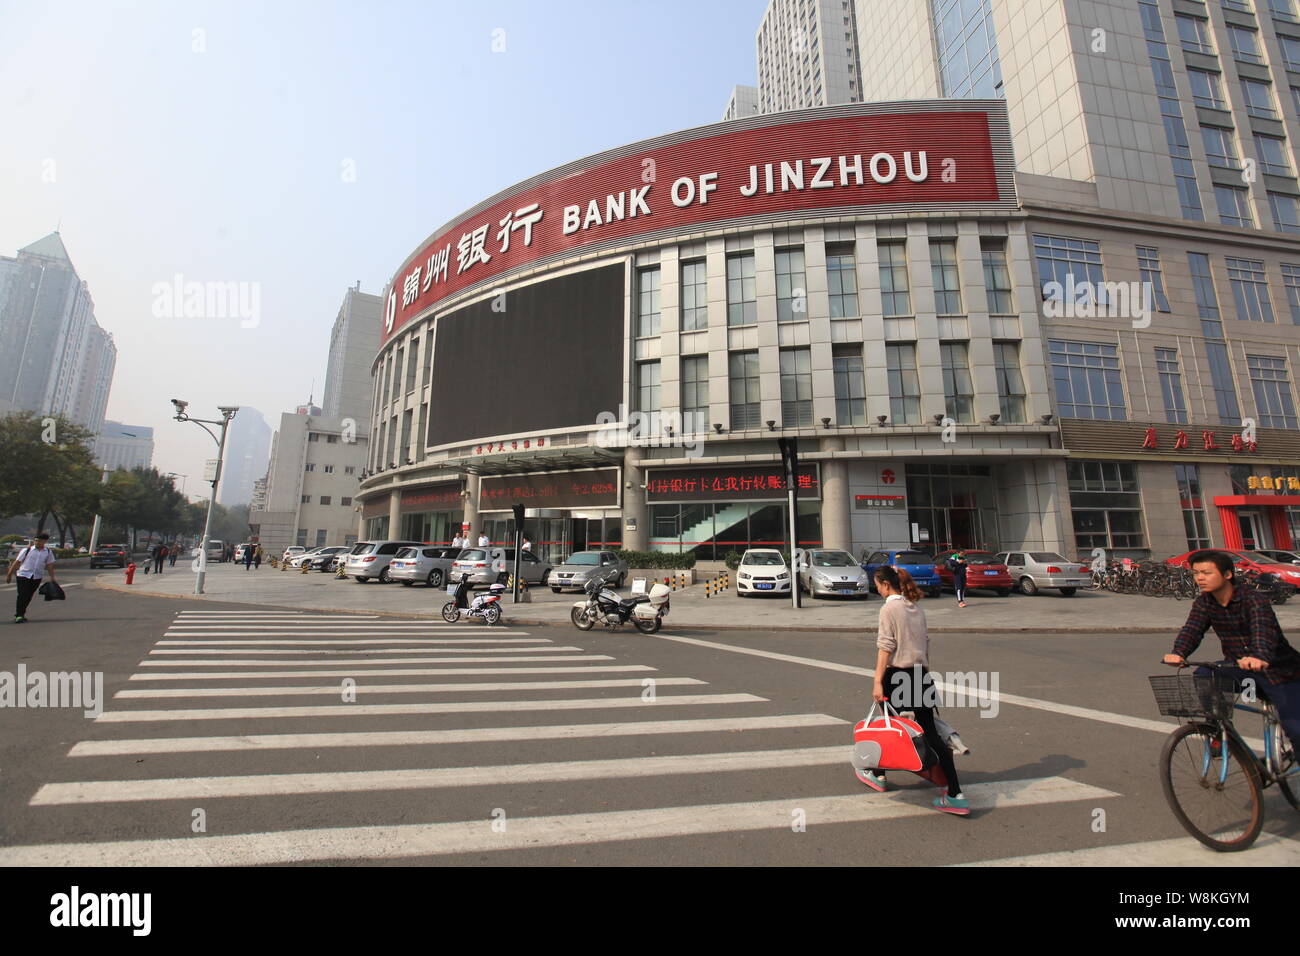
[798, 628]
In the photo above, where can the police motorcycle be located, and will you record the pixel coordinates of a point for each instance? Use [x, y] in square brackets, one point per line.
[487, 606]
[603, 606]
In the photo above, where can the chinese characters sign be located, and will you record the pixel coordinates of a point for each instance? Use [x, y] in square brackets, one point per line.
[1271, 483]
[440, 497]
[565, 489]
[512, 444]
[876, 502]
[945, 156]
[758, 483]
[1208, 440]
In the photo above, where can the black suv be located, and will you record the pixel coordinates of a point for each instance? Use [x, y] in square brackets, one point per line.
[110, 556]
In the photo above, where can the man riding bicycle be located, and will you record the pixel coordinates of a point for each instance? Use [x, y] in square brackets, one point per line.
[1243, 619]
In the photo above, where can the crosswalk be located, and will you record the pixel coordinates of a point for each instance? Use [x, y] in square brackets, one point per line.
[315, 737]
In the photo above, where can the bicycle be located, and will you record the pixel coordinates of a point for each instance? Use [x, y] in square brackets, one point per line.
[1212, 779]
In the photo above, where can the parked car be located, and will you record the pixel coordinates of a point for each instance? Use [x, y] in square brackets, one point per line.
[110, 556]
[1281, 557]
[582, 567]
[428, 563]
[486, 566]
[369, 559]
[321, 559]
[1251, 561]
[828, 571]
[241, 549]
[762, 571]
[983, 570]
[295, 560]
[291, 552]
[1034, 570]
[919, 564]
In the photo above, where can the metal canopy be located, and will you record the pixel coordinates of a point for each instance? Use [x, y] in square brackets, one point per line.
[557, 459]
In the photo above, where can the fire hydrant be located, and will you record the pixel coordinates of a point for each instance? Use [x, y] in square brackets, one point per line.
[130, 572]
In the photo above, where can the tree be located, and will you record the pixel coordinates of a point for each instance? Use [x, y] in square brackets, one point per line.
[47, 469]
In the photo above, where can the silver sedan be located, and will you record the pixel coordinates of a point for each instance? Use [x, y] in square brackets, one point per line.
[585, 566]
[826, 572]
[1033, 571]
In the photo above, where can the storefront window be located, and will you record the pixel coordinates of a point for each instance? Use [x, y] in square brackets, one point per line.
[952, 506]
[377, 528]
[1189, 497]
[1106, 505]
[438, 527]
[712, 529]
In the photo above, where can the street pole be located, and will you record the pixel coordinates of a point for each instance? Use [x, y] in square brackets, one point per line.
[227, 413]
[519, 529]
[94, 531]
[790, 458]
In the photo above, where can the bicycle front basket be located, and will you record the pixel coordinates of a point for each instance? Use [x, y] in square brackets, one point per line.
[1186, 695]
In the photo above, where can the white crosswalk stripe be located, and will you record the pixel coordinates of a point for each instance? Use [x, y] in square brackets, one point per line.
[208, 659]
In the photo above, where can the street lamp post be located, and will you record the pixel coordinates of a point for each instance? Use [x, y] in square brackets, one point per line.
[227, 413]
[94, 531]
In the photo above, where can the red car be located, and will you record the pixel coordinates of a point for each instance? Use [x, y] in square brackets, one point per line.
[983, 570]
[1252, 561]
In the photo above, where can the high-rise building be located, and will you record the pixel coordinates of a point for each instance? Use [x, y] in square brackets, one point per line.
[807, 52]
[743, 102]
[354, 340]
[54, 357]
[247, 443]
[124, 446]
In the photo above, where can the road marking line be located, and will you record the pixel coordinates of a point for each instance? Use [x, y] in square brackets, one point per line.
[393, 672]
[376, 661]
[1269, 850]
[106, 748]
[363, 688]
[335, 642]
[383, 710]
[387, 650]
[1068, 710]
[477, 836]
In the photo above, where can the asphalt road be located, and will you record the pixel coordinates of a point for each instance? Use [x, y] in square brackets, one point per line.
[453, 751]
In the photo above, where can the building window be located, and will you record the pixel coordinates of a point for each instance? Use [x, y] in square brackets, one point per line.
[1272, 391]
[744, 390]
[791, 286]
[1171, 386]
[647, 310]
[313, 437]
[1242, 5]
[1259, 99]
[1193, 35]
[320, 538]
[1071, 263]
[1290, 52]
[302, 537]
[958, 390]
[1207, 303]
[997, 277]
[850, 385]
[1206, 90]
[345, 502]
[325, 499]
[647, 387]
[306, 500]
[1189, 497]
[349, 469]
[1250, 290]
[904, 384]
[410, 366]
[742, 301]
[1286, 212]
[1086, 375]
[1011, 384]
[943, 272]
[396, 375]
[1273, 158]
[311, 466]
[331, 439]
[1152, 278]
[1291, 282]
[842, 281]
[1295, 97]
[1234, 206]
[1106, 505]
[1283, 9]
[895, 295]
[695, 295]
[1225, 392]
[1244, 43]
[796, 388]
[1220, 147]
[695, 393]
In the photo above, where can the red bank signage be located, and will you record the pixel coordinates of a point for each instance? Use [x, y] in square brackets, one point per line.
[945, 156]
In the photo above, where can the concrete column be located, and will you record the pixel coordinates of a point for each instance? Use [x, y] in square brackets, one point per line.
[634, 505]
[395, 515]
[471, 505]
[837, 530]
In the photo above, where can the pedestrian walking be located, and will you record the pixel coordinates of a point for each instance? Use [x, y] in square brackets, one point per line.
[158, 557]
[33, 563]
[527, 545]
[483, 541]
[903, 677]
[248, 556]
[175, 550]
[257, 558]
[957, 565]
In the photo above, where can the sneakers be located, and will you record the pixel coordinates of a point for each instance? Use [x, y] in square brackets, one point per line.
[958, 806]
[19, 619]
[874, 781]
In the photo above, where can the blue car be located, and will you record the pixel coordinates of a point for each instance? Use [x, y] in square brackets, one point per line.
[917, 563]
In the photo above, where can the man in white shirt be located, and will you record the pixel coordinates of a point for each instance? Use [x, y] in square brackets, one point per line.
[458, 542]
[527, 545]
[483, 539]
[31, 565]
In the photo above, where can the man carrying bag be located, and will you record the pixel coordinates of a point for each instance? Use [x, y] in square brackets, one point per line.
[31, 566]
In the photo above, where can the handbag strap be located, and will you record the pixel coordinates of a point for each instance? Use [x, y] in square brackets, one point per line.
[884, 712]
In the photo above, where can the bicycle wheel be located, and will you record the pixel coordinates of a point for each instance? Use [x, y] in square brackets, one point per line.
[1278, 757]
[1224, 816]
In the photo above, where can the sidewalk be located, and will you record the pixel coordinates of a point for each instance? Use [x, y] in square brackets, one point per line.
[1088, 612]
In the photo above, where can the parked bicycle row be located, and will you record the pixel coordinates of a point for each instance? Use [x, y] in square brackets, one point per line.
[1275, 573]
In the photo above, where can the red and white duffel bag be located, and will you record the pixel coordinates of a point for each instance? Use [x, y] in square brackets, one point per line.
[894, 743]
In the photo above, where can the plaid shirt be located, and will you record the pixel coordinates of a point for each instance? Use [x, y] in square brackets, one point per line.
[1247, 627]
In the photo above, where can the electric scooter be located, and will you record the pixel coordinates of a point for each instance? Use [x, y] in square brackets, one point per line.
[487, 606]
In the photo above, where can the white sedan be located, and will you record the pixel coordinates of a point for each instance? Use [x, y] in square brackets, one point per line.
[762, 571]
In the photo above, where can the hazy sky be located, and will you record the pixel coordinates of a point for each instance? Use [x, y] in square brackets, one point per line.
[303, 147]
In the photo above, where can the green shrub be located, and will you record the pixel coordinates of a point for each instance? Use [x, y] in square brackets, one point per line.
[13, 539]
[659, 560]
[64, 552]
[732, 559]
